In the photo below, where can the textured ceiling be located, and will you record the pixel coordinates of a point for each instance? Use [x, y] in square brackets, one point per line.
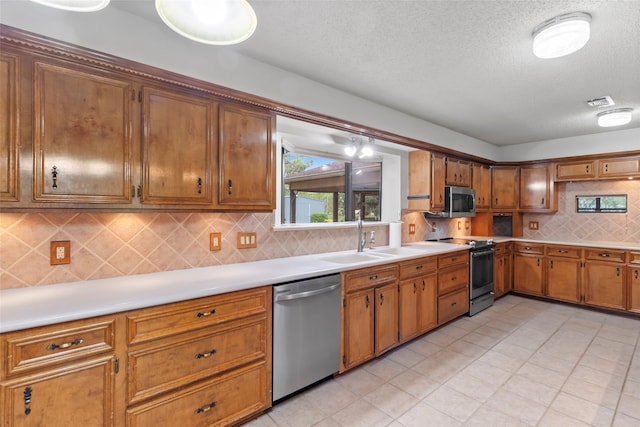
[465, 65]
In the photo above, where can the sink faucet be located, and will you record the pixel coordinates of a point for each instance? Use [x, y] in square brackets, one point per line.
[362, 240]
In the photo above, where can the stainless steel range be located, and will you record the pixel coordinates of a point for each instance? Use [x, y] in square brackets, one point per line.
[480, 272]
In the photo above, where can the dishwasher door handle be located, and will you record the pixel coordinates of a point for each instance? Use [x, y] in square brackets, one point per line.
[307, 293]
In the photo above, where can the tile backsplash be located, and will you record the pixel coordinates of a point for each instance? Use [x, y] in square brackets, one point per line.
[118, 244]
[568, 225]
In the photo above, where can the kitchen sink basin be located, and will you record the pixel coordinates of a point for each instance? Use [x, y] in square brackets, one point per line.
[352, 258]
[396, 251]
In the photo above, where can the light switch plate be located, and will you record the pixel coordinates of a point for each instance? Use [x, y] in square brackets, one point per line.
[247, 240]
[215, 241]
[60, 252]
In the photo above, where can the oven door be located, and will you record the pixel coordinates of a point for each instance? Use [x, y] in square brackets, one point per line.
[481, 274]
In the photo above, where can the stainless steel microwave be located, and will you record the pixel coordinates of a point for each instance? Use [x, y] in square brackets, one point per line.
[459, 202]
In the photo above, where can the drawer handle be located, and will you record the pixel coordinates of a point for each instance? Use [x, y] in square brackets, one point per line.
[453, 304]
[207, 314]
[27, 400]
[604, 255]
[199, 185]
[381, 298]
[366, 301]
[54, 177]
[373, 277]
[207, 408]
[203, 355]
[419, 267]
[527, 248]
[561, 251]
[77, 341]
[453, 278]
[454, 259]
[635, 274]
[230, 187]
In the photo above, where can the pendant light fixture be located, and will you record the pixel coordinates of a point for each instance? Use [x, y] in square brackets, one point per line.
[75, 5]
[359, 147]
[561, 35]
[217, 22]
[617, 117]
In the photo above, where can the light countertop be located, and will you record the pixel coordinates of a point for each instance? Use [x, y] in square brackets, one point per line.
[24, 308]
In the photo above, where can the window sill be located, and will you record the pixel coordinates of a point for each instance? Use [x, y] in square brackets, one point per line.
[324, 226]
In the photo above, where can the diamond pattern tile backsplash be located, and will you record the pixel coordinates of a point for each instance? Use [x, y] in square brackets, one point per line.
[118, 244]
[567, 225]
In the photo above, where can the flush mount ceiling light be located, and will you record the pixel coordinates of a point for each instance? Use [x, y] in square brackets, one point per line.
[219, 22]
[75, 5]
[561, 35]
[359, 147]
[617, 117]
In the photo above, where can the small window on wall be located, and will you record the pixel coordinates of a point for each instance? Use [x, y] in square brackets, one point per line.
[601, 204]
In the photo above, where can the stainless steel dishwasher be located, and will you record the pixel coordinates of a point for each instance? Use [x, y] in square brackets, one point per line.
[306, 333]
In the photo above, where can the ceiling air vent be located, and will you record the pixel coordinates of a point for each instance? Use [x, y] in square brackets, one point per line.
[604, 101]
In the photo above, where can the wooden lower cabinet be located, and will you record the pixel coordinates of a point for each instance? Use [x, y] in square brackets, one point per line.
[369, 314]
[418, 297]
[604, 285]
[528, 268]
[61, 375]
[502, 269]
[222, 401]
[453, 286]
[563, 275]
[633, 281]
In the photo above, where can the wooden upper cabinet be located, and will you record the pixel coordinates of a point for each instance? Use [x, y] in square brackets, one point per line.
[438, 170]
[504, 187]
[9, 121]
[419, 182]
[246, 158]
[481, 182]
[82, 135]
[536, 188]
[177, 147]
[458, 172]
[619, 168]
[574, 171]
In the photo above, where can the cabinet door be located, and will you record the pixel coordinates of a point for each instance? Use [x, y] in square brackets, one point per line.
[9, 120]
[623, 167]
[563, 279]
[177, 145]
[437, 181]
[458, 173]
[504, 187]
[498, 275]
[82, 136]
[386, 317]
[427, 302]
[80, 395]
[481, 182]
[419, 185]
[605, 285]
[574, 171]
[508, 271]
[634, 288]
[527, 274]
[408, 308]
[246, 159]
[358, 328]
[535, 187]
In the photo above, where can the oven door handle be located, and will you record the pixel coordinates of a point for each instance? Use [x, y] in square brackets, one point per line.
[307, 293]
[482, 253]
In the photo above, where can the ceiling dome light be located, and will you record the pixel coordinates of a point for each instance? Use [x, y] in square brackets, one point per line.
[617, 117]
[561, 35]
[219, 22]
[75, 5]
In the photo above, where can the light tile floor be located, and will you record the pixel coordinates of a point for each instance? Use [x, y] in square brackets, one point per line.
[522, 362]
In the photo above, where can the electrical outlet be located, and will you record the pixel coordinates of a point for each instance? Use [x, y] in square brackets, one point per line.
[533, 225]
[247, 240]
[459, 225]
[215, 241]
[412, 229]
[60, 252]
[466, 224]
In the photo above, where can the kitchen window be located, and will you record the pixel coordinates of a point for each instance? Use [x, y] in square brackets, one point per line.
[601, 204]
[320, 189]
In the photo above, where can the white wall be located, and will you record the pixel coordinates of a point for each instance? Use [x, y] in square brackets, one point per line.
[125, 35]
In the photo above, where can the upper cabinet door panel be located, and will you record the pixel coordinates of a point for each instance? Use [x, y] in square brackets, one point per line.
[82, 136]
[246, 159]
[177, 145]
[9, 108]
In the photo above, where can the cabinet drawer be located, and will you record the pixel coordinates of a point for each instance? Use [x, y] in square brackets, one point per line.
[604, 255]
[221, 402]
[461, 257]
[370, 277]
[171, 319]
[564, 251]
[418, 267]
[183, 360]
[529, 248]
[633, 257]
[42, 347]
[453, 278]
[453, 305]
